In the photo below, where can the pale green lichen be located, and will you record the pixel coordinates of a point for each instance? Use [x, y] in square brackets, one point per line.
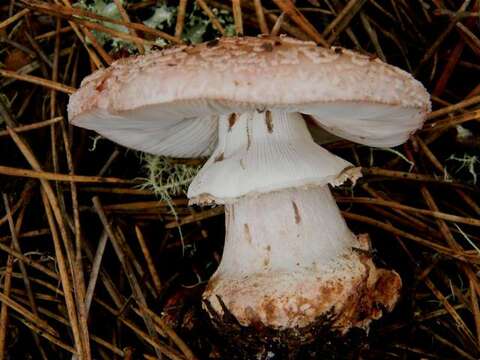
[197, 26]
[167, 178]
[396, 153]
[467, 162]
[463, 133]
[107, 8]
[163, 16]
[95, 140]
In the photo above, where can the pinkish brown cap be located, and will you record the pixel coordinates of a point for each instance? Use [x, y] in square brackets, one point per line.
[168, 102]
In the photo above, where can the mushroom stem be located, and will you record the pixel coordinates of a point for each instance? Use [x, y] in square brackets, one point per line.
[281, 248]
[293, 230]
[289, 259]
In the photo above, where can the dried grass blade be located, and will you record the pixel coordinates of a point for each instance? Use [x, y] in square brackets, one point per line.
[291, 10]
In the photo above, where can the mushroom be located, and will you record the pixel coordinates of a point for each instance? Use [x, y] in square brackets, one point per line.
[289, 261]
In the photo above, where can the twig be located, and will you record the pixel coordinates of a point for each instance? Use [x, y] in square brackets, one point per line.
[196, 217]
[408, 176]
[172, 335]
[342, 19]
[206, 9]
[289, 8]
[34, 126]
[38, 81]
[28, 234]
[53, 339]
[7, 284]
[446, 304]
[396, 205]
[389, 228]
[471, 39]
[127, 268]
[28, 315]
[67, 288]
[96, 264]
[278, 25]
[26, 279]
[52, 33]
[44, 175]
[48, 193]
[28, 261]
[262, 23]
[443, 341]
[181, 9]
[433, 48]
[126, 19]
[148, 258]
[13, 18]
[237, 16]
[78, 266]
[452, 121]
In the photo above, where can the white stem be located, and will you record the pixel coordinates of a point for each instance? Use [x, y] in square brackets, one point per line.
[283, 231]
[283, 252]
[289, 258]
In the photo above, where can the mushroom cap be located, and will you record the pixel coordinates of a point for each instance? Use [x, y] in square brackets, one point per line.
[167, 102]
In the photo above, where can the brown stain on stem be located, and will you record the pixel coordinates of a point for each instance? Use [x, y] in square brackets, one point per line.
[249, 137]
[248, 235]
[269, 121]
[269, 309]
[232, 119]
[220, 157]
[298, 218]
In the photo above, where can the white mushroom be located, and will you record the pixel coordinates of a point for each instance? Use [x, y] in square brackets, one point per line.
[289, 259]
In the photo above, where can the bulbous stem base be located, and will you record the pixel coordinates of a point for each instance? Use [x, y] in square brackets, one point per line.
[290, 260]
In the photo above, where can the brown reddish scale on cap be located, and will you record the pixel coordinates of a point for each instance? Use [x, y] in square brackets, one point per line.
[101, 82]
[213, 43]
[267, 46]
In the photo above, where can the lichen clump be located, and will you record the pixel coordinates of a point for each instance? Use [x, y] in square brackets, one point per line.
[197, 25]
[165, 177]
